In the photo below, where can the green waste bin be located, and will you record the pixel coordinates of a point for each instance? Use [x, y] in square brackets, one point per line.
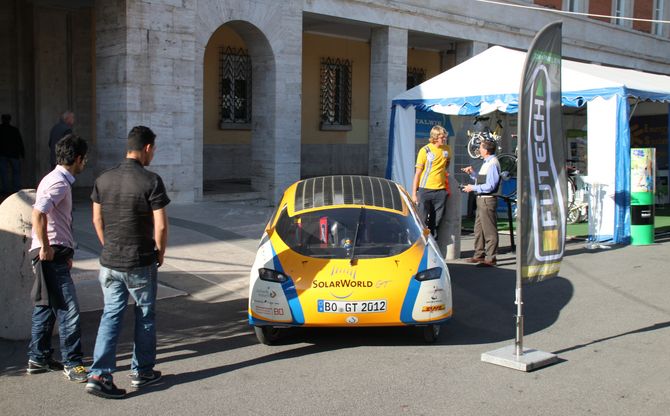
[643, 173]
[642, 218]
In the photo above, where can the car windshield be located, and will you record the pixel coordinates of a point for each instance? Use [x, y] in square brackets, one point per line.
[330, 233]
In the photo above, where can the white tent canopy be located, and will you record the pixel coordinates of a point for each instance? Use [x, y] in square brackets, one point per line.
[490, 81]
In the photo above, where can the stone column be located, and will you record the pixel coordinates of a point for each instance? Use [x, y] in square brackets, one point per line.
[15, 268]
[468, 49]
[145, 76]
[388, 78]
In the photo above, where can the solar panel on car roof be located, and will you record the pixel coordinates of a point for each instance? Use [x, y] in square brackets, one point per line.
[347, 190]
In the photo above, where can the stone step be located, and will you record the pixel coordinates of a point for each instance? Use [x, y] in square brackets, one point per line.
[248, 198]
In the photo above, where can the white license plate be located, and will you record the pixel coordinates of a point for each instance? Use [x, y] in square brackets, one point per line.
[361, 306]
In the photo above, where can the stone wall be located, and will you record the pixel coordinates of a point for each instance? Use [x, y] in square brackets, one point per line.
[333, 159]
[63, 77]
[227, 161]
[144, 61]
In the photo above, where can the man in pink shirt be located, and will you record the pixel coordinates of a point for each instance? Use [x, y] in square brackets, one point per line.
[51, 253]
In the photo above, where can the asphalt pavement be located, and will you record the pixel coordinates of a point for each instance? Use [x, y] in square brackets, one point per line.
[606, 316]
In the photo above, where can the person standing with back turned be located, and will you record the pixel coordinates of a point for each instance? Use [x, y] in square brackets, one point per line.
[131, 223]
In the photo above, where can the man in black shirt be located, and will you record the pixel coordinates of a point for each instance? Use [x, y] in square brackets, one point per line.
[131, 223]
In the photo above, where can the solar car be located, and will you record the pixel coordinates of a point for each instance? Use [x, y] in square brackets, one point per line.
[347, 251]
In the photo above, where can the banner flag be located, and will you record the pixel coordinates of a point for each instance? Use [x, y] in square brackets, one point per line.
[541, 176]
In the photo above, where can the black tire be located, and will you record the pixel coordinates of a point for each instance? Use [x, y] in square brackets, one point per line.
[267, 335]
[431, 333]
[508, 171]
[507, 166]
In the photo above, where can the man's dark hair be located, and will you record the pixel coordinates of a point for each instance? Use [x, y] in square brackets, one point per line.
[6, 118]
[69, 148]
[490, 146]
[139, 137]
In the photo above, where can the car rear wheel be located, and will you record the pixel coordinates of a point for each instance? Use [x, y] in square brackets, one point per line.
[431, 333]
[267, 335]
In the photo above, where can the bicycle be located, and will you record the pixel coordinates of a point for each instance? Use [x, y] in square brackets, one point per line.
[476, 137]
[577, 210]
[507, 161]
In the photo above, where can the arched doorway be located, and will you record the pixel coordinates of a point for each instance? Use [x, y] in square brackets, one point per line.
[238, 76]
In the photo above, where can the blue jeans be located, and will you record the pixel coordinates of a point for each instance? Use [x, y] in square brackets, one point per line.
[7, 164]
[141, 283]
[62, 304]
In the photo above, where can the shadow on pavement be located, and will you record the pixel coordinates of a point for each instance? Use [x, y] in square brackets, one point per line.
[484, 306]
[661, 325]
[184, 324]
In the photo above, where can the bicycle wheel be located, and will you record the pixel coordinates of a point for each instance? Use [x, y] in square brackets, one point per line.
[473, 146]
[572, 190]
[507, 166]
[507, 172]
[574, 214]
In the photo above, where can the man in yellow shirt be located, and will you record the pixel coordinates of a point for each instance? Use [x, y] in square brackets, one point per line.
[430, 178]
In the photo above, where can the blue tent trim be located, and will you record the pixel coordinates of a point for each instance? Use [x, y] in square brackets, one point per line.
[622, 180]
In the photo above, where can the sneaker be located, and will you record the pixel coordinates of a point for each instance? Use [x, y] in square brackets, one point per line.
[36, 367]
[76, 373]
[144, 378]
[104, 387]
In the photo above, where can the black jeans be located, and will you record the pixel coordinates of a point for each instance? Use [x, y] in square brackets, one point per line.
[431, 207]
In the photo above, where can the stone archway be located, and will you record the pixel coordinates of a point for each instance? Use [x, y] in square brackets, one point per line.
[273, 37]
[227, 113]
[231, 155]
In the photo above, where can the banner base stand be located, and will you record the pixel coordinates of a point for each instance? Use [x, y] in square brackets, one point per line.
[530, 360]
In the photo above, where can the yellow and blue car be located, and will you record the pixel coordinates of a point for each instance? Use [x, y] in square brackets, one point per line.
[347, 251]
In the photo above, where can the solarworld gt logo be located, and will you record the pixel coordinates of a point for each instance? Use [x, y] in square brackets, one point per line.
[546, 196]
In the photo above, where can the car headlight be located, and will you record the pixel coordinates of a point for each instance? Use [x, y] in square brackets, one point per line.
[429, 274]
[270, 275]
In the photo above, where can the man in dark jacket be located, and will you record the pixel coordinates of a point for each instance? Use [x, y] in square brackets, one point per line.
[58, 131]
[11, 153]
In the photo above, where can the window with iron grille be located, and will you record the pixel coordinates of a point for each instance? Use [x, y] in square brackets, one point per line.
[415, 76]
[234, 89]
[335, 94]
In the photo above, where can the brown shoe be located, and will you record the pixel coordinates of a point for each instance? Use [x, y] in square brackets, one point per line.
[487, 263]
[475, 260]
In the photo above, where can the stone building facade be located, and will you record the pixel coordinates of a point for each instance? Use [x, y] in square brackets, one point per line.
[121, 63]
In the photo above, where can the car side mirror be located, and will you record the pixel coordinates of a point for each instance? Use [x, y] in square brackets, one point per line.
[426, 232]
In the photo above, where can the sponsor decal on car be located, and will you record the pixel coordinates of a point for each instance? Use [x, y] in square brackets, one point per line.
[433, 308]
[316, 284]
